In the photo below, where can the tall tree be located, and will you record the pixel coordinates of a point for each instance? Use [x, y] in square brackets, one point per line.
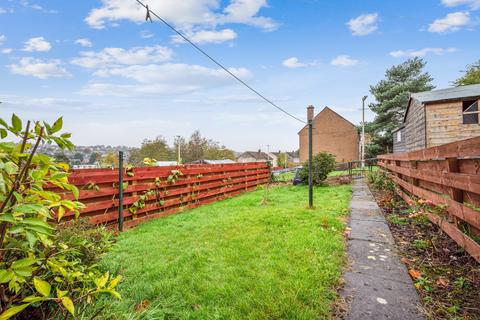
[110, 159]
[157, 149]
[199, 148]
[391, 95]
[94, 157]
[470, 76]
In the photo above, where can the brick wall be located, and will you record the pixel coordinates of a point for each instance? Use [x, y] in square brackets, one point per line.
[331, 133]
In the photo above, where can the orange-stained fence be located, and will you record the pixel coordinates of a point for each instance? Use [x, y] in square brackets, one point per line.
[154, 192]
[448, 175]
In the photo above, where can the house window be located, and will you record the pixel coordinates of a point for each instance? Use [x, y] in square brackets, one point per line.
[470, 112]
[399, 136]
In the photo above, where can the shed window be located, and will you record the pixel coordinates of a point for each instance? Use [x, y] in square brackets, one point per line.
[399, 136]
[470, 112]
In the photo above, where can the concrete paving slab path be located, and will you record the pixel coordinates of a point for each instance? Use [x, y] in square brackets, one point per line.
[377, 284]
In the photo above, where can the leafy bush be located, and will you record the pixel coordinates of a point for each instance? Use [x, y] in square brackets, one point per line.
[380, 180]
[322, 164]
[45, 270]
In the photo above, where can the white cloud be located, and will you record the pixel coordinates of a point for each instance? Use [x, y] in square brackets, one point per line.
[146, 34]
[7, 50]
[421, 53]
[163, 79]
[42, 69]
[3, 38]
[185, 13]
[37, 44]
[84, 42]
[344, 61]
[473, 4]
[364, 24]
[245, 11]
[120, 56]
[2, 11]
[208, 36]
[452, 22]
[293, 62]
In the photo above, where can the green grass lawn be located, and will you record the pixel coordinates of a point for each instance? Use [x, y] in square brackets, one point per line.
[235, 259]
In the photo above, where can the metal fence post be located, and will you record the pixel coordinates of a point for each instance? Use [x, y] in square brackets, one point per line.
[310, 112]
[120, 191]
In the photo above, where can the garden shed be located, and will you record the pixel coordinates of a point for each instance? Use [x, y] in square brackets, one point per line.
[438, 117]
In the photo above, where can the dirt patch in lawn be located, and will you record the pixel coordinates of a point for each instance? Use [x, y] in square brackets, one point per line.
[446, 277]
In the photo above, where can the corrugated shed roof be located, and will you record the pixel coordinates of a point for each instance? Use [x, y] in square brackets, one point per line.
[462, 92]
[448, 94]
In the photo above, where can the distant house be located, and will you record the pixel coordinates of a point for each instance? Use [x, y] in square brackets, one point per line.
[291, 157]
[206, 161]
[166, 163]
[331, 133]
[438, 117]
[257, 156]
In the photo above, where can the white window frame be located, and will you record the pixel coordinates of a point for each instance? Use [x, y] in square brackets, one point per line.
[399, 136]
[472, 112]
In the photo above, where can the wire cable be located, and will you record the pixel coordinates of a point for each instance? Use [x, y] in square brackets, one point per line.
[218, 63]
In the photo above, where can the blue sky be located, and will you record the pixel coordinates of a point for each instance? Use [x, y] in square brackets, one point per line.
[117, 80]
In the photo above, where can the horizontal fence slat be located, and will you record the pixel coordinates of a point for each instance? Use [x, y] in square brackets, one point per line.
[198, 185]
[446, 175]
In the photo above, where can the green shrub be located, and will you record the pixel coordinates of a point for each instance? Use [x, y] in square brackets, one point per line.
[45, 270]
[322, 164]
[380, 180]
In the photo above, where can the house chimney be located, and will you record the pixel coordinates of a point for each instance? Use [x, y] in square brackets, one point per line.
[310, 112]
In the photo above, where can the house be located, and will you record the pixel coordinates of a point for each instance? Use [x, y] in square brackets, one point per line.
[166, 163]
[291, 157]
[257, 156]
[206, 161]
[331, 133]
[438, 117]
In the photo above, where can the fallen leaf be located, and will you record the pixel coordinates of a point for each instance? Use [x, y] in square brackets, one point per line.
[406, 261]
[444, 282]
[142, 306]
[414, 274]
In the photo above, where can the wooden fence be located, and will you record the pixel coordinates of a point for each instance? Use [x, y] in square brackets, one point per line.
[154, 192]
[447, 175]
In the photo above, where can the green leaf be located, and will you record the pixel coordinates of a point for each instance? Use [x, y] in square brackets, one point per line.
[112, 292]
[57, 125]
[25, 271]
[11, 168]
[43, 287]
[7, 217]
[61, 293]
[114, 282]
[22, 263]
[33, 299]
[68, 304]
[60, 213]
[16, 123]
[3, 133]
[10, 312]
[5, 276]
[102, 281]
[66, 135]
[3, 123]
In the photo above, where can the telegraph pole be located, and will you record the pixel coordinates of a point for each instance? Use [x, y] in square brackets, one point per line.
[363, 131]
[310, 111]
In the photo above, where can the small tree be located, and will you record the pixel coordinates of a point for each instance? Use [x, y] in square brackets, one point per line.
[470, 76]
[322, 164]
[38, 269]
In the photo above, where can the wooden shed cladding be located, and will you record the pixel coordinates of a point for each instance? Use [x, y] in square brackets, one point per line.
[439, 117]
[444, 123]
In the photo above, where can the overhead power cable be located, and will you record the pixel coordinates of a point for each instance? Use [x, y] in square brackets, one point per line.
[148, 17]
